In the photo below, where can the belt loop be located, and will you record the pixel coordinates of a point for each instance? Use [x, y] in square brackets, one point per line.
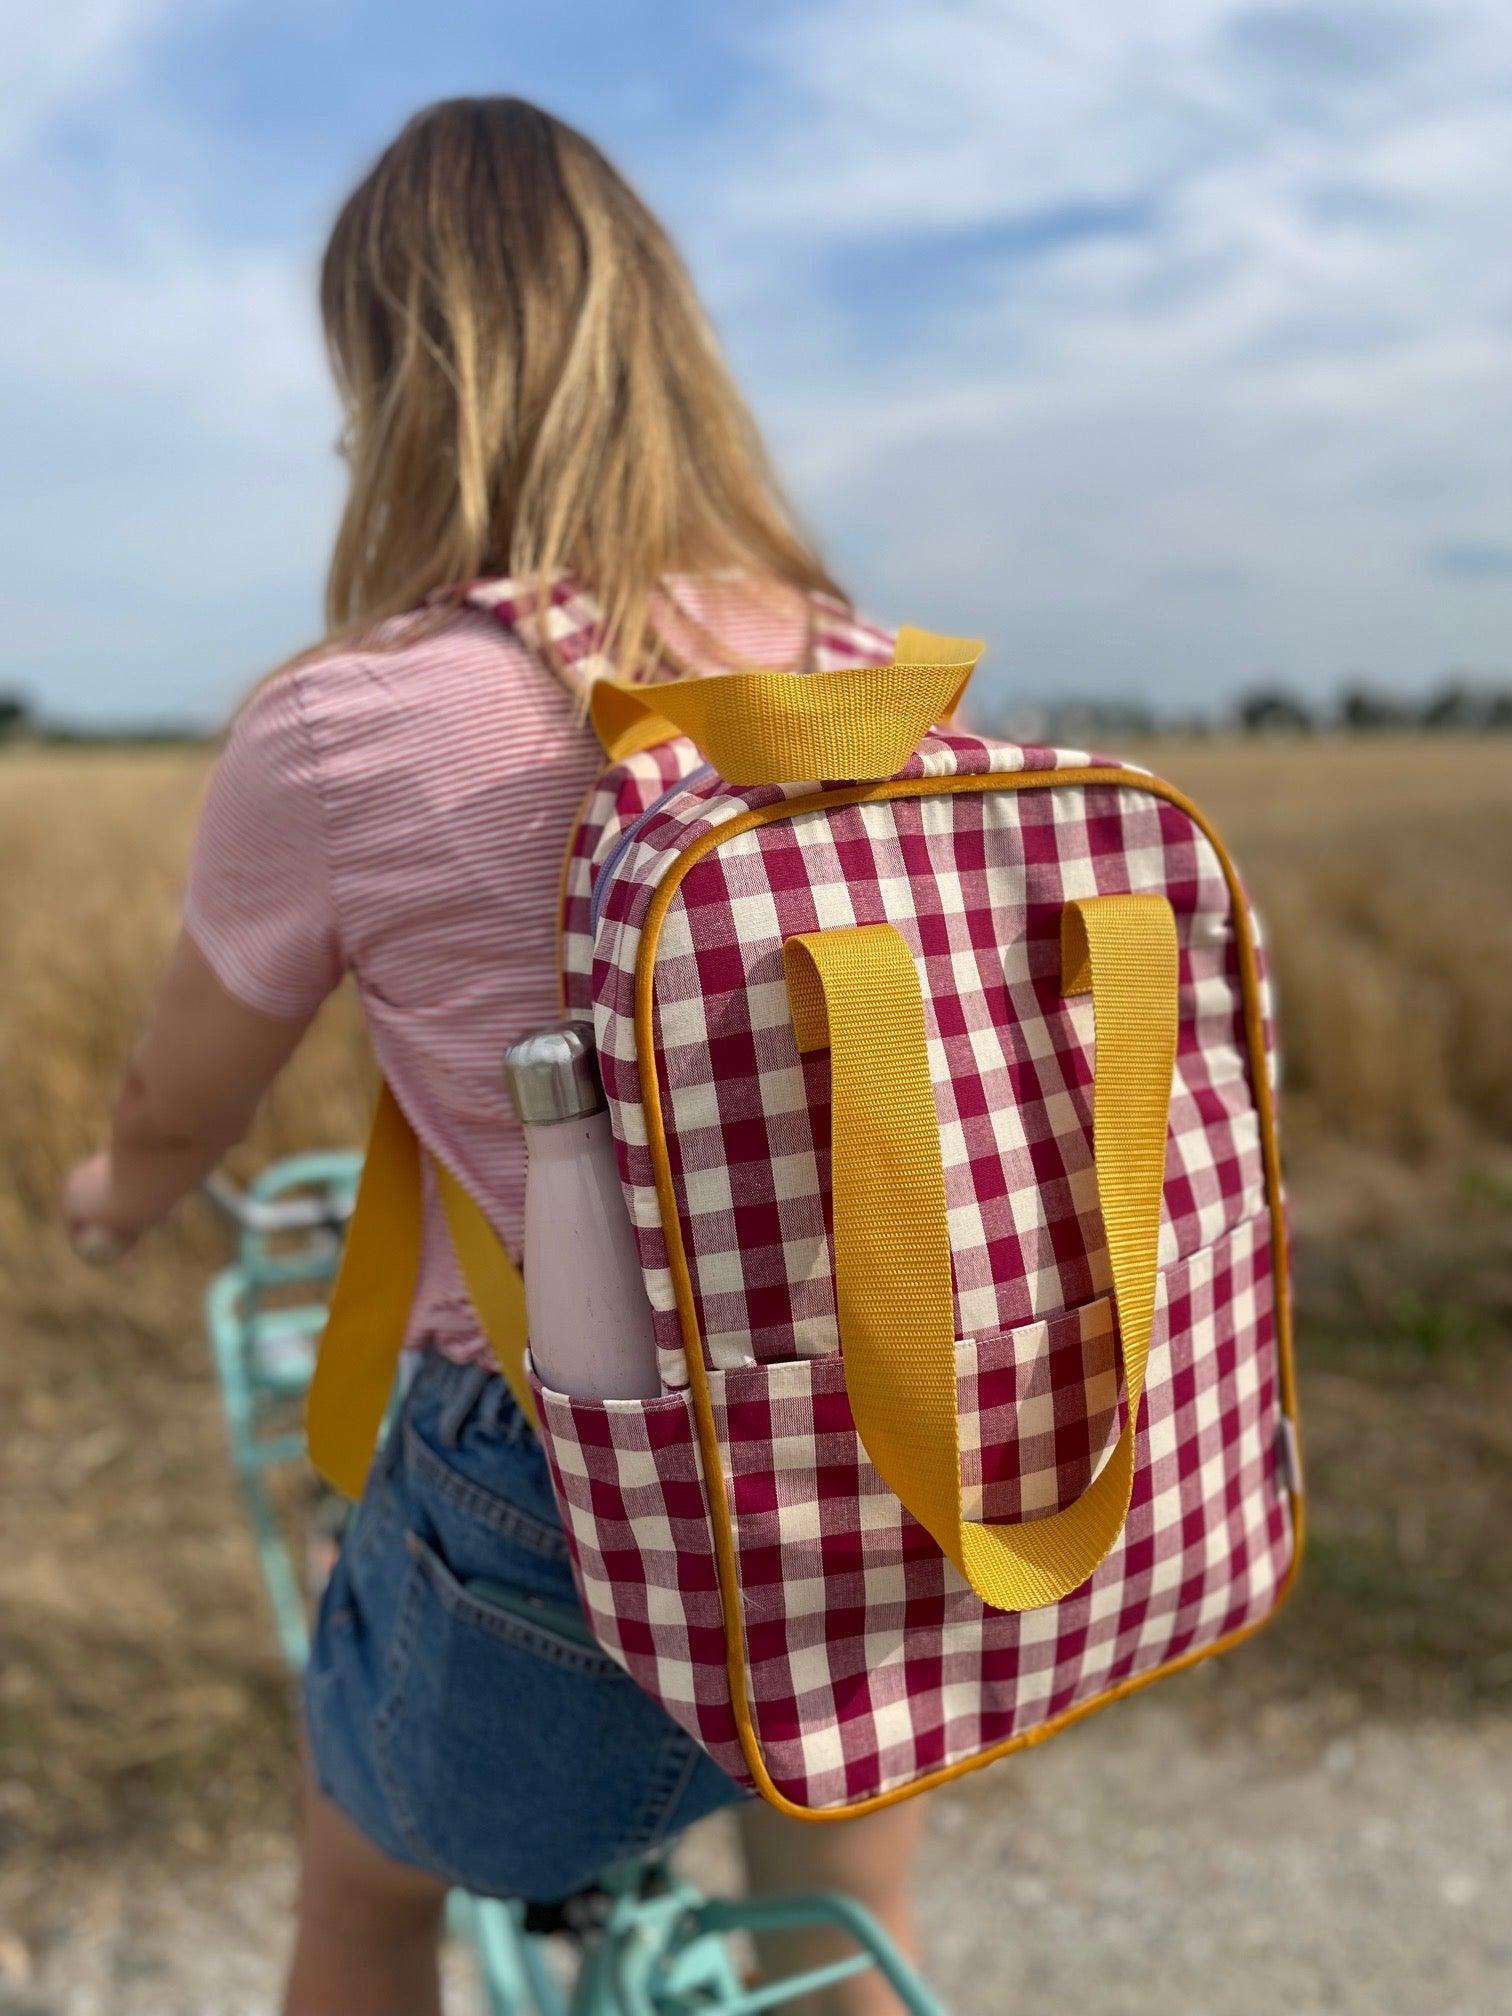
[499, 1412]
[471, 1383]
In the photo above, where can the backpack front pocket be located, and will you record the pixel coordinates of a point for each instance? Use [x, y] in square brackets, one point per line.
[629, 1481]
[871, 1663]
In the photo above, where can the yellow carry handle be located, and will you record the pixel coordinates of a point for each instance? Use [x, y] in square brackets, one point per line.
[856, 725]
[370, 1304]
[856, 990]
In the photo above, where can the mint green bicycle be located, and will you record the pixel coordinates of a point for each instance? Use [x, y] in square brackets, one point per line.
[646, 1942]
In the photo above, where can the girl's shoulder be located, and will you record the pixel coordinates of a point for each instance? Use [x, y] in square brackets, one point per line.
[434, 674]
[473, 673]
[428, 644]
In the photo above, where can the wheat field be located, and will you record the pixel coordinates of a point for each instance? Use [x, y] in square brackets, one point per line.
[140, 1696]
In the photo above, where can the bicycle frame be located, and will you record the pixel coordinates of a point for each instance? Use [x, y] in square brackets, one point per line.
[650, 1943]
[264, 1350]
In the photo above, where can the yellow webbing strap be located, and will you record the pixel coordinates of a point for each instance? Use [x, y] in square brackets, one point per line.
[859, 724]
[370, 1305]
[856, 989]
[495, 1285]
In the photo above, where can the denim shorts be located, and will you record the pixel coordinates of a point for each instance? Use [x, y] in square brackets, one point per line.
[459, 1712]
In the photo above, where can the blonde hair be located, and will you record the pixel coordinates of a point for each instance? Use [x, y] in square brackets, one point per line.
[532, 387]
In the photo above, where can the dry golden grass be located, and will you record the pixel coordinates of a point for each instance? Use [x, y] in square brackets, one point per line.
[137, 1681]
[1382, 869]
[140, 1695]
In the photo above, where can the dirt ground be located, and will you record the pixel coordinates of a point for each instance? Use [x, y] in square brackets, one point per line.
[1153, 1860]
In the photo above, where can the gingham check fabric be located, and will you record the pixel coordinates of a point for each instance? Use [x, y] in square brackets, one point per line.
[628, 788]
[976, 882]
[629, 1482]
[567, 623]
[621, 795]
[868, 1661]
[1038, 1414]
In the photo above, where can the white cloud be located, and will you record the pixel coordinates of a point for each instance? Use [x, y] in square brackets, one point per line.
[1174, 455]
[1230, 432]
[66, 53]
[227, 337]
[162, 395]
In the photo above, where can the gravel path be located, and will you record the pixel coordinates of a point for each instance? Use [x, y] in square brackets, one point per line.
[1127, 1868]
[1138, 1875]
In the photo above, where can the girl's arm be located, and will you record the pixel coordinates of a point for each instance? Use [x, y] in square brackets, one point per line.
[259, 953]
[188, 1094]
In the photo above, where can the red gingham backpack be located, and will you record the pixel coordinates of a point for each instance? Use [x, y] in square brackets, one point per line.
[941, 1072]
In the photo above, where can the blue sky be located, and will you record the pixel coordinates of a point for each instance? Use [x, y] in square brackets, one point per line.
[1168, 346]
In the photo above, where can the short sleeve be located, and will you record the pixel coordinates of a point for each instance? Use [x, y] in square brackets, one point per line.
[259, 904]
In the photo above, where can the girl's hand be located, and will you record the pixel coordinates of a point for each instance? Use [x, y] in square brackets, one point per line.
[189, 1091]
[92, 1213]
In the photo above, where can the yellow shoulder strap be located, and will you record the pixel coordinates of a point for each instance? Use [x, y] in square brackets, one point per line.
[860, 723]
[856, 990]
[494, 1284]
[370, 1305]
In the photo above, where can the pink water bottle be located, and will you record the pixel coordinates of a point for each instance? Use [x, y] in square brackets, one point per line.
[590, 1322]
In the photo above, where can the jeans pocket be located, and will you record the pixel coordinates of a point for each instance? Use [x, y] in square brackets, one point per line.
[517, 1759]
[485, 1503]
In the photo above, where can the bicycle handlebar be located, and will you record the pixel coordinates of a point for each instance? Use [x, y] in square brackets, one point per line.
[280, 1214]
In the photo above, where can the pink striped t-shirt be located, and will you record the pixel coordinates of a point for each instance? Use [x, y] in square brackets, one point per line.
[398, 812]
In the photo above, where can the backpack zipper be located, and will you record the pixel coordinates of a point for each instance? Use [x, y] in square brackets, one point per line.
[627, 840]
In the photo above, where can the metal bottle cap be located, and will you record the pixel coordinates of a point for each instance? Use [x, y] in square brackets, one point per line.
[553, 1075]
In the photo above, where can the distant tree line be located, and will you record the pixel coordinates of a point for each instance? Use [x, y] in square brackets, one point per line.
[20, 723]
[1458, 705]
